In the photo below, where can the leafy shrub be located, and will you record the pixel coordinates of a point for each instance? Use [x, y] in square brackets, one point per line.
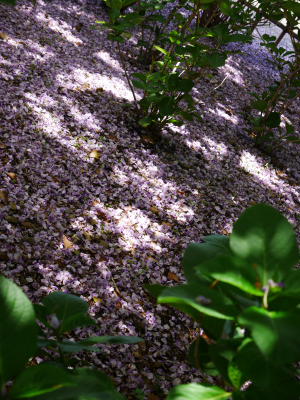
[22, 339]
[178, 57]
[245, 293]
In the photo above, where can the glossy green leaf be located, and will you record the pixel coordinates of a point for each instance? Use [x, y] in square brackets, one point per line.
[70, 310]
[196, 391]
[196, 253]
[197, 298]
[87, 384]
[41, 379]
[233, 271]
[222, 353]
[276, 334]
[165, 52]
[64, 305]
[18, 329]
[265, 239]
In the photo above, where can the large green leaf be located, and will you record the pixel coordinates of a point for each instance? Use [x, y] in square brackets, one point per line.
[71, 310]
[76, 321]
[40, 379]
[197, 253]
[89, 384]
[196, 298]
[250, 364]
[222, 352]
[266, 240]
[196, 391]
[64, 305]
[233, 271]
[276, 334]
[18, 329]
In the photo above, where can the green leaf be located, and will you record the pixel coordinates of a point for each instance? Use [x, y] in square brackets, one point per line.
[40, 379]
[71, 310]
[266, 240]
[64, 305]
[111, 340]
[259, 105]
[273, 120]
[75, 321]
[276, 334]
[165, 52]
[266, 377]
[196, 391]
[140, 76]
[222, 353]
[74, 347]
[293, 6]
[196, 253]
[146, 121]
[139, 84]
[166, 106]
[216, 60]
[233, 271]
[290, 129]
[197, 298]
[179, 84]
[89, 384]
[18, 329]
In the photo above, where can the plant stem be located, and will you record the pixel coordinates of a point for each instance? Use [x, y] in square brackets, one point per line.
[126, 75]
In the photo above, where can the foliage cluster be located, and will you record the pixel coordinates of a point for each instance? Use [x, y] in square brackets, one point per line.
[43, 330]
[179, 48]
[243, 291]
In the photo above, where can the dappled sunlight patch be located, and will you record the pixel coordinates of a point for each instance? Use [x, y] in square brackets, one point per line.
[93, 81]
[225, 113]
[219, 149]
[59, 26]
[232, 73]
[85, 119]
[210, 149]
[160, 196]
[108, 59]
[40, 52]
[266, 175]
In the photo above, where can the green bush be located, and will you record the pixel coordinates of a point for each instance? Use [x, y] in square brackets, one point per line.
[22, 339]
[245, 293]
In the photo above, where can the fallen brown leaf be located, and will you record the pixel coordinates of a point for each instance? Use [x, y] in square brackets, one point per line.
[67, 243]
[3, 196]
[12, 175]
[173, 277]
[95, 154]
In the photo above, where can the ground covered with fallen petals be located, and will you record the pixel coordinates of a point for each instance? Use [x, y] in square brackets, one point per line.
[89, 207]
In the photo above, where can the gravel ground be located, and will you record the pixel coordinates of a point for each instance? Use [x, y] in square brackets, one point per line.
[89, 208]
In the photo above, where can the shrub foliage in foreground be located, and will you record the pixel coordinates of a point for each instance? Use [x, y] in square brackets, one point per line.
[245, 294]
[243, 291]
[21, 338]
